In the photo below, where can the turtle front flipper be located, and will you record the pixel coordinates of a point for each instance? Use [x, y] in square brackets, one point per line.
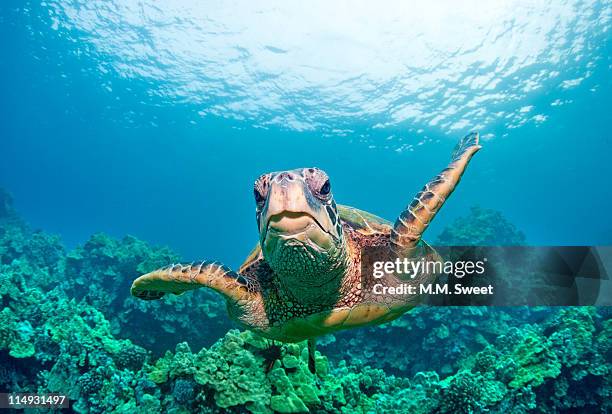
[176, 279]
[413, 221]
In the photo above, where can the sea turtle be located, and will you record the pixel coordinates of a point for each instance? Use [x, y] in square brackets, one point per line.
[303, 279]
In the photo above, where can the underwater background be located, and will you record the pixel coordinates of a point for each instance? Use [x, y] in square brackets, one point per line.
[132, 132]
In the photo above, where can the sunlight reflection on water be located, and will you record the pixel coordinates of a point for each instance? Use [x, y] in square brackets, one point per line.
[448, 65]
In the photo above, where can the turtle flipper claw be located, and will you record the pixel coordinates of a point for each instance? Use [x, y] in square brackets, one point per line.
[468, 145]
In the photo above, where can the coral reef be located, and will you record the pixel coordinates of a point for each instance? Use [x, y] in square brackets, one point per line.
[68, 325]
[101, 272]
[481, 227]
[435, 339]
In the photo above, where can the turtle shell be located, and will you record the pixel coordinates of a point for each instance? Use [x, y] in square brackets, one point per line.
[364, 222]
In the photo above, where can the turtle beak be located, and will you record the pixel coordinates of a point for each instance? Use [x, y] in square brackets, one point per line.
[286, 208]
[290, 209]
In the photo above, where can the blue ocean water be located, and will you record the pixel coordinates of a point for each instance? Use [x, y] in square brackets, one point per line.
[155, 119]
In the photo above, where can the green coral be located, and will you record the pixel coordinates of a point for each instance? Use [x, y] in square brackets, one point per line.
[466, 392]
[101, 272]
[481, 227]
[534, 360]
[233, 371]
[425, 339]
[7, 331]
[15, 335]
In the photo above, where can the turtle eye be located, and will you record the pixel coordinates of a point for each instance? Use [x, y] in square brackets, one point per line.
[259, 198]
[325, 188]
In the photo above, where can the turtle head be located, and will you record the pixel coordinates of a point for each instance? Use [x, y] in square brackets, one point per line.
[300, 232]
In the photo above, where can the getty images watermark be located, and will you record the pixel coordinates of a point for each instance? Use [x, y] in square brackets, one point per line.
[410, 269]
[490, 275]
